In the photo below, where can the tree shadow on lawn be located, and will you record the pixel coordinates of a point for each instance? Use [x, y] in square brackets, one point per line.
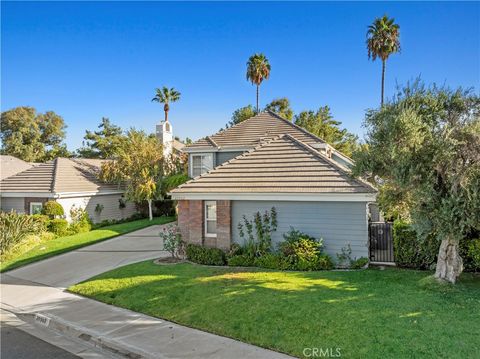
[366, 312]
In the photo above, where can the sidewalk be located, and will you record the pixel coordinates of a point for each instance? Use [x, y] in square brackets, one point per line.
[35, 294]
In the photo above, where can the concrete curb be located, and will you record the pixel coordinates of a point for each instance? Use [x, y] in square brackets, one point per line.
[80, 334]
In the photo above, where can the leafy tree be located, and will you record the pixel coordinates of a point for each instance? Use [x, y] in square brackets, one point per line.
[32, 136]
[322, 124]
[166, 96]
[426, 144]
[281, 106]
[240, 115]
[383, 39]
[258, 69]
[103, 143]
[140, 166]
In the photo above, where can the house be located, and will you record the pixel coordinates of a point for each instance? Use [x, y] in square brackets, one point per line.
[10, 165]
[267, 161]
[71, 182]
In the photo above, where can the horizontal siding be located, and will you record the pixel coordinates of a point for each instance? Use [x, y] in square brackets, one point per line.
[222, 157]
[110, 204]
[13, 203]
[338, 223]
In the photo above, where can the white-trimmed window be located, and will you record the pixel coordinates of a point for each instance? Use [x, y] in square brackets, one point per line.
[210, 218]
[201, 164]
[36, 207]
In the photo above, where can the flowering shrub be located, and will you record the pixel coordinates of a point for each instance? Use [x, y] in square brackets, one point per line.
[172, 240]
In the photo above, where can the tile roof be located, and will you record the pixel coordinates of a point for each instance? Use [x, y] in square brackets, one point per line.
[10, 165]
[57, 176]
[284, 164]
[251, 132]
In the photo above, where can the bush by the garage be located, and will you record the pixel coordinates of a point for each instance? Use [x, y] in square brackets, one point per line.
[58, 226]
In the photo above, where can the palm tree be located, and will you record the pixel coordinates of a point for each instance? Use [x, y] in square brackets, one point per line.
[383, 39]
[166, 96]
[258, 69]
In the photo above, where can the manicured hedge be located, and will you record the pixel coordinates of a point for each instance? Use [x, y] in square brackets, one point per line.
[204, 255]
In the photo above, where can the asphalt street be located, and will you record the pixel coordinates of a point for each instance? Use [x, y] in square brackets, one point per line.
[17, 344]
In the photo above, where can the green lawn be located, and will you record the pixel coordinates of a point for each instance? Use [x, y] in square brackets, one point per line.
[372, 313]
[60, 245]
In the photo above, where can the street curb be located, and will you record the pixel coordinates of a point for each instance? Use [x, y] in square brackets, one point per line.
[78, 333]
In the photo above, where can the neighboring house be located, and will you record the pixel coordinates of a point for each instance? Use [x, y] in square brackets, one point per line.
[267, 161]
[71, 182]
[10, 166]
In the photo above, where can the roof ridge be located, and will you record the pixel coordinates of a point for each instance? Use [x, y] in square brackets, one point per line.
[54, 176]
[209, 137]
[246, 153]
[339, 167]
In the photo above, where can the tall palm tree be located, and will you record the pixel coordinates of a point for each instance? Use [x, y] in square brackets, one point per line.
[258, 69]
[383, 39]
[166, 96]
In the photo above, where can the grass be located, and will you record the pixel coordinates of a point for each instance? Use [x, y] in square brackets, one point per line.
[393, 313]
[53, 247]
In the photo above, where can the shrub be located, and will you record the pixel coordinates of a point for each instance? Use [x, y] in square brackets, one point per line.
[359, 263]
[172, 240]
[470, 253]
[344, 259]
[58, 226]
[203, 255]
[257, 233]
[42, 220]
[241, 260]
[80, 220]
[412, 251]
[271, 261]
[14, 228]
[302, 252]
[53, 209]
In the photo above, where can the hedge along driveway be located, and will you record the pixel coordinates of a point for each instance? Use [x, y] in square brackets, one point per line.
[61, 245]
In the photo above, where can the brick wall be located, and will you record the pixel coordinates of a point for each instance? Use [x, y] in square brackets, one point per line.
[191, 223]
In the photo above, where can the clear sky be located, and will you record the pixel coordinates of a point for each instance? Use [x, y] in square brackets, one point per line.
[85, 60]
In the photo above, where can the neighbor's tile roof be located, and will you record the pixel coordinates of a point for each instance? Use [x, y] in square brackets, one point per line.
[59, 175]
[251, 132]
[281, 165]
[10, 165]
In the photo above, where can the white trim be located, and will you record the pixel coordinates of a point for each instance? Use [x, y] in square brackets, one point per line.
[85, 194]
[33, 204]
[307, 197]
[57, 195]
[27, 194]
[210, 235]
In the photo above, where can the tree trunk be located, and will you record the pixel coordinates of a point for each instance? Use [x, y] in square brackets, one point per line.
[257, 99]
[383, 81]
[150, 214]
[449, 263]
[166, 108]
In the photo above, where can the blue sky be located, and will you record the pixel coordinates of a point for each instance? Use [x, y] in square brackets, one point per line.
[85, 60]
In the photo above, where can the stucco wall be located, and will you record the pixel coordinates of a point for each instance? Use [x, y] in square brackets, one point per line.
[110, 204]
[338, 223]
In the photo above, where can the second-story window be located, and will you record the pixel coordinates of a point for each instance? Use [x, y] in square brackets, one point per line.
[201, 164]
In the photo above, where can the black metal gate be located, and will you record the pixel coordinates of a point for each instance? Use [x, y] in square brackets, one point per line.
[381, 242]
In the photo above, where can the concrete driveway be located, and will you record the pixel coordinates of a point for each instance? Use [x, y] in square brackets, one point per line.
[73, 267]
[36, 295]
